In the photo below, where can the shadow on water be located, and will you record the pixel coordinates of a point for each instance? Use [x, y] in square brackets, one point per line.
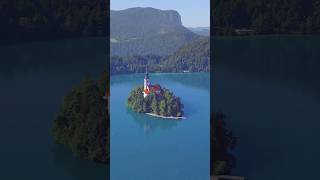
[152, 124]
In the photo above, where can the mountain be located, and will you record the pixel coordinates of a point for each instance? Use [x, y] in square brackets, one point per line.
[202, 31]
[141, 31]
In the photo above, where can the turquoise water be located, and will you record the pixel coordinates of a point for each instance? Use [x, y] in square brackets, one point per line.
[145, 148]
[34, 77]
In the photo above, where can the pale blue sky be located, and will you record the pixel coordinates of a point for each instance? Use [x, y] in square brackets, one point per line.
[194, 13]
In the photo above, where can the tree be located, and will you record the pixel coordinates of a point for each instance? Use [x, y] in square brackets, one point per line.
[163, 103]
[309, 25]
[194, 57]
[81, 124]
[145, 107]
[163, 108]
[35, 20]
[154, 105]
[222, 142]
[266, 17]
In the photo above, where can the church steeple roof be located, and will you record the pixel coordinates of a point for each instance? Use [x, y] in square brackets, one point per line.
[146, 75]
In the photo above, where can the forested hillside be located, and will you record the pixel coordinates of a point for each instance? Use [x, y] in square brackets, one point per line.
[25, 20]
[193, 57]
[135, 64]
[266, 16]
[143, 31]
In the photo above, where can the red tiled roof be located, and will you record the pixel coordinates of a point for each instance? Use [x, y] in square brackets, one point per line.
[152, 88]
[155, 87]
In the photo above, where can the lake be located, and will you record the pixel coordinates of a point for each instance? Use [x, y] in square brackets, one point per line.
[34, 77]
[268, 87]
[145, 147]
[272, 110]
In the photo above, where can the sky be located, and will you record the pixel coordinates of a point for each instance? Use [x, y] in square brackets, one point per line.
[194, 13]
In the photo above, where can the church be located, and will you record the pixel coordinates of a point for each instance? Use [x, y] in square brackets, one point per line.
[148, 88]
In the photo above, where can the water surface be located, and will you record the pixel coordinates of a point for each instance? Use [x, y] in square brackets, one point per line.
[268, 88]
[34, 77]
[145, 147]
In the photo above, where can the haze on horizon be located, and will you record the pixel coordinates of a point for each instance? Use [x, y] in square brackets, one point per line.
[194, 13]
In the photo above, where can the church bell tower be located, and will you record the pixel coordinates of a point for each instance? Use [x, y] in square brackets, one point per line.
[146, 84]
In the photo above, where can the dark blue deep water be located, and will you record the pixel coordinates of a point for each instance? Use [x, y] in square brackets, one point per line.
[149, 148]
[34, 77]
[268, 87]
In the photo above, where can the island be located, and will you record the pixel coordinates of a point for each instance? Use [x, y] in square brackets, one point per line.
[82, 124]
[155, 100]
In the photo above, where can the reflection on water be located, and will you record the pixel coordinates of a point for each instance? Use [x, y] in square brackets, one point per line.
[152, 124]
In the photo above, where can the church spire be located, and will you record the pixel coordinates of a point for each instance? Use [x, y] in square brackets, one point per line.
[147, 75]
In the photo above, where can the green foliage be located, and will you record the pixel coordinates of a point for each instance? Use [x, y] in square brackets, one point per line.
[194, 57]
[164, 103]
[134, 64]
[154, 105]
[82, 123]
[158, 44]
[163, 108]
[266, 16]
[222, 142]
[135, 100]
[219, 167]
[24, 20]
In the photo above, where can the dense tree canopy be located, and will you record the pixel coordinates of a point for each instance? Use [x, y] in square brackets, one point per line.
[194, 57]
[83, 121]
[267, 16]
[134, 64]
[222, 142]
[164, 104]
[23, 20]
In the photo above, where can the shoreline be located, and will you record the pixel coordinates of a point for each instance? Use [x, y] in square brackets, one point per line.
[157, 73]
[165, 117]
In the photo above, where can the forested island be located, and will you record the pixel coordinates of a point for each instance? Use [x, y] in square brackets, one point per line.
[164, 103]
[23, 20]
[83, 124]
[249, 17]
